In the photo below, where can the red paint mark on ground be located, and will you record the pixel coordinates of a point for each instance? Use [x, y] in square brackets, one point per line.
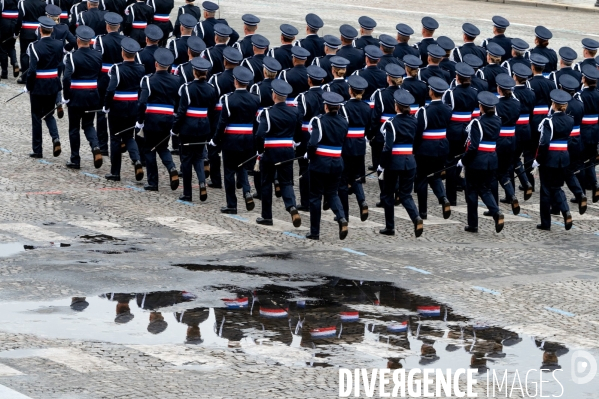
[44, 193]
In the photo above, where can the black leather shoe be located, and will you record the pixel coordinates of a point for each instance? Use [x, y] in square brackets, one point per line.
[528, 192]
[498, 222]
[363, 211]
[487, 213]
[72, 165]
[59, 111]
[446, 206]
[147, 187]
[582, 205]
[278, 192]
[211, 184]
[469, 229]
[15, 71]
[139, 171]
[343, 229]
[174, 177]
[230, 211]
[112, 177]
[310, 236]
[21, 81]
[303, 208]
[567, 220]
[504, 200]
[379, 204]
[203, 192]
[541, 227]
[186, 198]
[418, 227]
[387, 232]
[296, 219]
[264, 222]
[35, 155]
[515, 206]
[56, 148]
[249, 202]
[97, 158]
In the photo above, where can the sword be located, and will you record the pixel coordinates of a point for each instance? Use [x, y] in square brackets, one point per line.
[204, 143]
[163, 140]
[12, 98]
[586, 167]
[288, 160]
[366, 175]
[93, 110]
[123, 131]
[53, 109]
[447, 168]
[244, 162]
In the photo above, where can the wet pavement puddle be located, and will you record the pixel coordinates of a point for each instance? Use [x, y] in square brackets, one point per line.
[10, 249]
[297, 320]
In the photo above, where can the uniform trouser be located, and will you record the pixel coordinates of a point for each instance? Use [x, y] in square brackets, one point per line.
[152, 166]
[214, 160]
[452, 176]
[284, 174]
[78, 120]
[588, 176]
[23, 44]
[478, 184]
[552, 180]
[571, 179]
[531, 152]
[352, 169]
[402, 183]
[376, 149]
[175, 142]
[40, 106]
[425, 166]
[304, 182]
[117, 124]
[505, 165]
[196, 161]
[7, 52]
[102, 132]
[519, 171]
[326, 184]
[231, 161]
[258, 182]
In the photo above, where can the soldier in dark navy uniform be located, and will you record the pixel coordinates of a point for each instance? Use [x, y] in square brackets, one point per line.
[446, 63]
[431, 147]
[214, 54]
[376, 78]
[338, 85]
[43, 83]
[309, 105]
[65, 8]
[477, 82]
[205, 29]
[480, 162]
[312, 42]
[493, 68]
[195, 47]
[519, 55]
[470, 33]
[348, 51]
[121, 103]
[137, 16]
[462, 99]
[234, 132]
[8, 26]
[331, 46]
[93, 17]
[500, 24]
[589, 130]
[178, 46]
[146, 56]
[589, 51]
[162, 11]
[255, 62]
[387, 45]
[403, 48]
[195, 122]
[188, 8]
[279, 128]
[567, 57]
[553, 159]
[542, 37]
[521, 73]
[80, 92]
[358, 115]
[417, 88]
[367, 26]
[157, 103]
[283, 52]
[429, 25]
[26, 29]
[398, 163]
[326, 165]
[297, 76]
[245, 45]
[435, 55]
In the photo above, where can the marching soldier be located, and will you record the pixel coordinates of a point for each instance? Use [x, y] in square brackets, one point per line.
[26, 29]
[309, 105]
[178, 46]
[188, 8]
[8, 26]
[162, 11]
[542, 37]
[121, 102]
[158, 99]
[477, 82]
[195, 122]
[326, 165]
[376, 78]
[480, 162]
[43, 84]
[589, 130]
[283, 52]
[589, 50]
[493, 68]
[398, 164]
[417, 88]
[115, 6]
[234, 135]
[146, 56]
[245, 45]
[567, 57]
[463, 100]
[93, 17]
[403, 48]
[500, 24]
[471, 32]
[429, 25]
[348, 51]
[80, 92]
[137, 17]
[215, 54]
[205, 29]
[195, 46]
[367, 25]
[357, 112]
[312, 42]
[435, 54]
[446, 63]
[256, 61]
[331, 46]
[387, 45]
[552, 159]
[279, 129]
[65, 8]
[297, 76]
[519, 50]
[431, 147]
[338, 85]
[521, 74]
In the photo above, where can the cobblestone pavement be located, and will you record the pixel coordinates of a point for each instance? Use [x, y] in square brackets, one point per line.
[88, 237]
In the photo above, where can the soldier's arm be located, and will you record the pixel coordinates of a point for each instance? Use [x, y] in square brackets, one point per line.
[263, 128]
[114, 81]
[213, 114]
[143, 99]
[31, 73]
[181, 112]
[375, 119]
[233, 38]
[315, 136]
[71, 42]
[223, 121]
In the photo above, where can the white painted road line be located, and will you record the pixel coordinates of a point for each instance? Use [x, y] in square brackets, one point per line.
[32, 232]
[189, 226]
[6, 371]
[78, 360]
[573, 209]
[401, 213]
[354, 222]
[508, 217]
[7, 393]
[107, 228]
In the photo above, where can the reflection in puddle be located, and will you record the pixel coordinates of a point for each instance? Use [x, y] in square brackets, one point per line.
[296, 321]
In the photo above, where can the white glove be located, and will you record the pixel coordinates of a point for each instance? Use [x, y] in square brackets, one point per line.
[212, 143]
[139, 125]
[379, 169]
[259, 155]
[295, 145]
[460, 164]
[14, 36]
[306, 155]
[24, 90]
[173, 133]
[64, 102]
[105, 110]
[535, 164]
